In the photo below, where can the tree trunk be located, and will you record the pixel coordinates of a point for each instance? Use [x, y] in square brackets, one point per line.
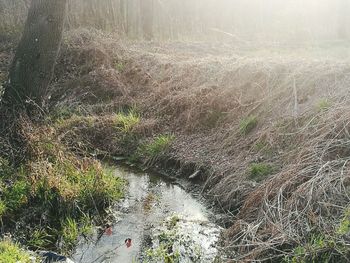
[343, 19]
[147, 18]
[36, 54]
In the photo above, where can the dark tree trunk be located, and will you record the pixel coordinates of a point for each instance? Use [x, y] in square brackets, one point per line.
[147, 18]
[36, 54]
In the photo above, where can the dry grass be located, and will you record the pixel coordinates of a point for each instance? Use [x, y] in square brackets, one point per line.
[203, 98]
[306, 141]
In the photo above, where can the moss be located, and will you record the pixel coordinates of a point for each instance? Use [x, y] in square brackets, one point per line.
[13, 253]
[248, 124]
[259, 171]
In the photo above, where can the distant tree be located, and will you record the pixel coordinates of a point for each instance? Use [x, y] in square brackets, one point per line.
[343, 19]
[32, 68]
[147, 9]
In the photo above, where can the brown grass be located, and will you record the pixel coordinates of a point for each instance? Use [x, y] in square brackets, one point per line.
[301, 106]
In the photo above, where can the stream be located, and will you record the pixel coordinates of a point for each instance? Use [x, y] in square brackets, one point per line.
[160, 218]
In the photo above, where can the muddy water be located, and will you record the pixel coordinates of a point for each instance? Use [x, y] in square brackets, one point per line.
[150, 204]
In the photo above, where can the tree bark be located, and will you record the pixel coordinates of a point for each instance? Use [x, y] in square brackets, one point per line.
[36, 54]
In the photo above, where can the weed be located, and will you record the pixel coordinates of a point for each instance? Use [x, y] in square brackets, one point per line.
[40, 239]
[172, 222]
[315, 250]
[323, 105]
[119, 66]
[5, 169]
[153, 150]
[259, 171]
[158, 146]
[344, 227]
[162, 254]
[62, 113]
[70, 233]
[12, 253]
[125, 122]
[263, 147]
[248, 124]
[2, 208]
[16, 195]
[86, 225]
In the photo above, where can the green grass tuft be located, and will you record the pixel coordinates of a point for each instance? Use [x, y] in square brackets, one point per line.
[70, 233]
[16, 195]
[125, 122]
[40, 239]
[248, 124]
[323, 105]
[12, 253]
[119, 66]
[259, 171]
[151, 151]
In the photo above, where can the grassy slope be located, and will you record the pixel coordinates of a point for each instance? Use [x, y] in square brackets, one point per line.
[271, 132]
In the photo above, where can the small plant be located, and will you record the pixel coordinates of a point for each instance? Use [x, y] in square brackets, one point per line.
[16, 195]
[158, 146]
[153, 150]
[162, 254]
[119, 66]
[259, 171]
[70, 233]
[2, 208]
[127, 121]
[86, 228]
[248, 124]
[62, 113]
[5, 169]
[40, 239]
[323, 105]
[165, 251]
[317, 249]
[172, 222]
[12, 253]
[344, 227]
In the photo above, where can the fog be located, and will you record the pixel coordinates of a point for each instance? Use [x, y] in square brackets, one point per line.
[277, 21]
[240, 20]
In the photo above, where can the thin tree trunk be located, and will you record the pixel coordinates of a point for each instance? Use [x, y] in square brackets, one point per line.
[147, 18]
[33, 65]
[343, 19]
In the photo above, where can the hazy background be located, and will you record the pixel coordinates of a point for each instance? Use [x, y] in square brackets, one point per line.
[278, 21]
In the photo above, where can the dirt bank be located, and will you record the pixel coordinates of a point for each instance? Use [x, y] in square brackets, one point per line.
[268, 132]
